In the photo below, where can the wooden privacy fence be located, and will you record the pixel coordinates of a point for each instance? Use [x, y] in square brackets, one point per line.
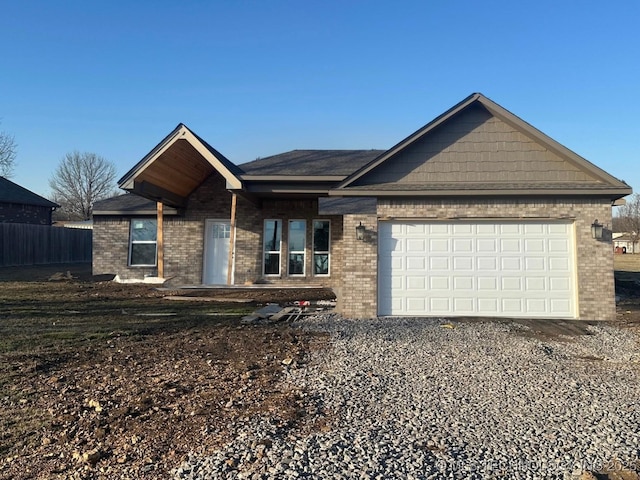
[24, 244]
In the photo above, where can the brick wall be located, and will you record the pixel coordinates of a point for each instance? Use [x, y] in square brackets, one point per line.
[184, 239]
[358, 288]
[594, 263]
[19, 213]
[249, 232]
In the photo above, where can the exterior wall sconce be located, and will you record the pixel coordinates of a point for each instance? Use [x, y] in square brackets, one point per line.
[360, 232]
[596, 230]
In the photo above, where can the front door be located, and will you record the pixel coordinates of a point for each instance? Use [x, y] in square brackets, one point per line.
[216, 252]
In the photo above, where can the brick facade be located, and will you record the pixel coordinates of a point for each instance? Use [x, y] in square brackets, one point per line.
[22, 213]
[184, 239]
[594, 262]
[353, 271]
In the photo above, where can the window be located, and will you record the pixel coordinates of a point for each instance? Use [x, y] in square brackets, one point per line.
[321, 235]
[271, 246]
[143, 246]
[297, 244]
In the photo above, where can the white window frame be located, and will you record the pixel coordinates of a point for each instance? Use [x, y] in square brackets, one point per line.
[321, 252]
[302, 252]
[272, 252]
[142, 242]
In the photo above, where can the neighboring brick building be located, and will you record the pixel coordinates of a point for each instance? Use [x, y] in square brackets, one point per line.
[475, 214]
[19, 205]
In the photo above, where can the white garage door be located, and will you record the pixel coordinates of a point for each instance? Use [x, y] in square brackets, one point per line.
[460, 268]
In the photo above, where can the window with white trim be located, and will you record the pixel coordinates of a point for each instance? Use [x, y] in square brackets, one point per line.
[321, 246]
[297, 246]
[143, 247]
[272, 242]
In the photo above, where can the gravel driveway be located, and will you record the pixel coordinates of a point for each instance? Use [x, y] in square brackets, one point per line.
[422, 398]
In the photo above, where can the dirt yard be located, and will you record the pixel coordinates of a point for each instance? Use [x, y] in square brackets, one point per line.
[100, 380]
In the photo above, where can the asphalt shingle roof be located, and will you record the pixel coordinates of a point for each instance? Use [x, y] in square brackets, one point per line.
[124, 203]
[311, 162]
[13, 193]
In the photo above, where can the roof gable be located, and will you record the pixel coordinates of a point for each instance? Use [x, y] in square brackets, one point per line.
[176, 167]
[13, 193]
[478, 147]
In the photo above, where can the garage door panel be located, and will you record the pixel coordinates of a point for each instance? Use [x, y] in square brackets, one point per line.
[500, 268]
[561, 229]
[512, 306]
[489, 229]
[438, 245]
[536, 245]
[560, 307]
[463, 283]
[560, 284]
[462, 228]
[462, 245]
[510, 245]
[439, 263]
[441, 305]
[464, 305]
[488, 305]
[557, 264]
[511, 263]
[558, 245]
[416, 283]
[534, 264]
[439, 283]
[510, 228]
[487, 245]
[536, 284]
[463, 263]
[534, 228]
[416, 245]
[415, 263]
[439, 229]
[511, 283]
[487, 263]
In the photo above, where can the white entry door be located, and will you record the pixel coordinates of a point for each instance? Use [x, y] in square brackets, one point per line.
[467, 268]
[216, 252]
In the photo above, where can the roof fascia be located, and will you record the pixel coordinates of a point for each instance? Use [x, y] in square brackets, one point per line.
[180, 132]
[293, 178]
[613, 193]
[132, 213]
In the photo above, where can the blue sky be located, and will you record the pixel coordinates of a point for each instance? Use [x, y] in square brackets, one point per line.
[255, 78]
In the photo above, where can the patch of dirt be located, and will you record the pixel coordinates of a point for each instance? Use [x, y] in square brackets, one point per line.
[95, 385]
[135, 408]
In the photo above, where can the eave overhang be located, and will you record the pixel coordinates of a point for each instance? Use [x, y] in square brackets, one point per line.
[176, 167]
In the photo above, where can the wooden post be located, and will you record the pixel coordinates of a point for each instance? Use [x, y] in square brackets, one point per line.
[160, 240]
[232, 237]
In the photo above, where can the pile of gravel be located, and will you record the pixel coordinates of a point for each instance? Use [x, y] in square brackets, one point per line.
[415, 398]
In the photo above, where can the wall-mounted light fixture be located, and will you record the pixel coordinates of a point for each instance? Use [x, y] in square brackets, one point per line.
[596, 230]
[360, 232]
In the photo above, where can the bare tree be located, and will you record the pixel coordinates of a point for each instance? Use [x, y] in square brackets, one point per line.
[8, 151]
[80, 180]
[629, 218]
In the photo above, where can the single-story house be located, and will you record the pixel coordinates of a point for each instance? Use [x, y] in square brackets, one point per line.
[624, 242]
[475, 214]
[19, 205]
